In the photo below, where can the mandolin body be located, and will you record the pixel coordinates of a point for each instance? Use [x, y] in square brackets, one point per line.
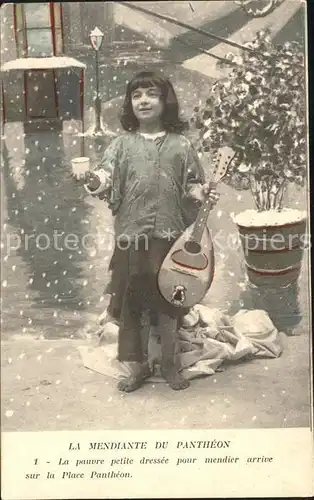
[187, 272]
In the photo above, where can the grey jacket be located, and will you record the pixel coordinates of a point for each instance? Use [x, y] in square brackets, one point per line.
[149, 185]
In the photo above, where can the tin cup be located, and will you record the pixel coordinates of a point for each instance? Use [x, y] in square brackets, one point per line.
[80, 166]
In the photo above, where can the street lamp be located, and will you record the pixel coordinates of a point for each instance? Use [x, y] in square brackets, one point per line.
[96, 37]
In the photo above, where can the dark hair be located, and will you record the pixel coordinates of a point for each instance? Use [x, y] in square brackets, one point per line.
[170, 116]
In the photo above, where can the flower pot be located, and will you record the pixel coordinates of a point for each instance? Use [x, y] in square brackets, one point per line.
[273, 244]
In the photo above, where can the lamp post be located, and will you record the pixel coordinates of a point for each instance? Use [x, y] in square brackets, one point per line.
[96, 37]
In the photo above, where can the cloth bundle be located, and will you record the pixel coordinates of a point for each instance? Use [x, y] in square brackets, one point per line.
[208, 338]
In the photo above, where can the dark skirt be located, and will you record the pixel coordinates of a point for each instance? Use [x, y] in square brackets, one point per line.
[140, 262]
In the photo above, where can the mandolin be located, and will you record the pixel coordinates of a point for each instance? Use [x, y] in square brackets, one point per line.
[187, 271]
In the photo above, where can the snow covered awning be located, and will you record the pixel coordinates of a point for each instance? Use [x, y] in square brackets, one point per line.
[53, 87]
[29, 63]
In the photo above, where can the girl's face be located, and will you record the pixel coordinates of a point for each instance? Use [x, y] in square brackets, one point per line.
[147, 104]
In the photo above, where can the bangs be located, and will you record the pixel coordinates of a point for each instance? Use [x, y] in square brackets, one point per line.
[145, 80]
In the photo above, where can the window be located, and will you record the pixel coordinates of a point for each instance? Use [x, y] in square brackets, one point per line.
[38, 29]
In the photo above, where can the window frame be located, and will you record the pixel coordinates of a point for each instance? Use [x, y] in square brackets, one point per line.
[20, 33]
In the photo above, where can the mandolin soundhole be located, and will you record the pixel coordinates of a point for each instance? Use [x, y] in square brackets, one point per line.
[192, 247]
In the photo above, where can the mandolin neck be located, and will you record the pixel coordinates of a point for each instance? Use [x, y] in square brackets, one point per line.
[222, 161]
[201, 219]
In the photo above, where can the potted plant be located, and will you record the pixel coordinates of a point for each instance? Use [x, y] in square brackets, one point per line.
[259, 109]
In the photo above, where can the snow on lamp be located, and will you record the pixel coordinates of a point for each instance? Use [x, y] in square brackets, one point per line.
[96, 37]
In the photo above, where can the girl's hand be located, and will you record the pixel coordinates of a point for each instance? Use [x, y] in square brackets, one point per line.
[211, 193]
[89, 178]
[200, 192]
[92, 180]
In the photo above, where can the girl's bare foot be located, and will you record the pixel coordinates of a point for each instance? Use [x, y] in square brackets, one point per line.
[139, 373]
[175, 379]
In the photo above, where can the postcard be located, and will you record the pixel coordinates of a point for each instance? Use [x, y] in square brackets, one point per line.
[155, 250]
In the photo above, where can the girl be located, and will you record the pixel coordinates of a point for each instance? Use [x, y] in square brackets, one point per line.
[152, 180]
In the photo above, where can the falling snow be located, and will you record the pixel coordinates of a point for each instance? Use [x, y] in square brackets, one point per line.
[20, 176]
